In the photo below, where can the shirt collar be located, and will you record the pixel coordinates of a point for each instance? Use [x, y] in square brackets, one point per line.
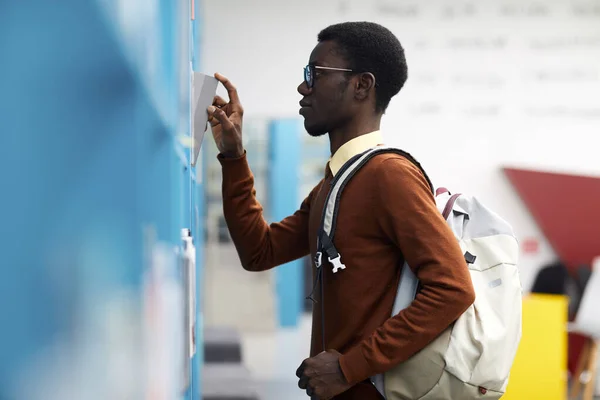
[352, 148]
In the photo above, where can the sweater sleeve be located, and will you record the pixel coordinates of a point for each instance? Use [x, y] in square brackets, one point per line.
[260, 245]
[410, 219]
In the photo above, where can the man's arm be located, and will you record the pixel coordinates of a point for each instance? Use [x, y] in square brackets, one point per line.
[410, 218]
[260, 245]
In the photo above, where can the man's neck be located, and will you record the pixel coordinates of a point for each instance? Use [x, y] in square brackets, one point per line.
[338, 137]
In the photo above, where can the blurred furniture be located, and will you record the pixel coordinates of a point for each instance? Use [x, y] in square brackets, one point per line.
[539, 368]
[551, 279]
[585, 374]
[556, 278]
[587, 323]
[225, 377]
[222, 345]
[228, 381]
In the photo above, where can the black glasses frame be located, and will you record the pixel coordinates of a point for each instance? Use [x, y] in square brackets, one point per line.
[309, 73]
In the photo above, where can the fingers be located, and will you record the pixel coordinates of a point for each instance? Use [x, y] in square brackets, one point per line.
[212, 120]
[231, 90]
[216, 116]
[218, 101]
[300, 370]
[303, 382]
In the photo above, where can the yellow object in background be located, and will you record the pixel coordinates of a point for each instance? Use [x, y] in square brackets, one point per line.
[540, 368]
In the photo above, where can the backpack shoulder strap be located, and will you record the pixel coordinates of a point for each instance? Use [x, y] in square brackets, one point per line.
[330, 210]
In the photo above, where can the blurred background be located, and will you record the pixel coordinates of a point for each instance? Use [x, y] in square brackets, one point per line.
[119, 277]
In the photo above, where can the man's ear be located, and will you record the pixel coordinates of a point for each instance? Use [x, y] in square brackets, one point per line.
[364, 84]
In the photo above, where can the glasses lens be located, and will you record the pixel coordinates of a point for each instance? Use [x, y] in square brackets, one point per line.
[308, 76]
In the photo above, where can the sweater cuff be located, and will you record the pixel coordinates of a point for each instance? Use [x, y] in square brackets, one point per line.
[235, 168]
[355, 366]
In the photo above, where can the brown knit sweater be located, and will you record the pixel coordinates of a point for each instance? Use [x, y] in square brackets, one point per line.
[387, 214]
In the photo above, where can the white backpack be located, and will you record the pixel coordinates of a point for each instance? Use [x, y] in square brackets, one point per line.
[473, 357]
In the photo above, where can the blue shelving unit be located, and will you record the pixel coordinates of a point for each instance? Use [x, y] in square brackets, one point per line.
[197, 215]
[95, 98]
[284, 160]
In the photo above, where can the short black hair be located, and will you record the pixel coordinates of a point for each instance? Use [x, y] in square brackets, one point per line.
[370, 47]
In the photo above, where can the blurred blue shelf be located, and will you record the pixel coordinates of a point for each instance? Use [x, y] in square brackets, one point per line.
[94, 96]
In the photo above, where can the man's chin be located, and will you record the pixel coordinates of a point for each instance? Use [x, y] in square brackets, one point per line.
[314, 131]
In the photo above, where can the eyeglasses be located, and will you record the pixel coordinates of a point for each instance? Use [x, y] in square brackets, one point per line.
[309, 73]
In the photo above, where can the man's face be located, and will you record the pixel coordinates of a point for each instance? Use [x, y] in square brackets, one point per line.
[327, 104]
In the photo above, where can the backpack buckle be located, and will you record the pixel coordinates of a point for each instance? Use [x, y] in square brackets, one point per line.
[337, 263]
[318, 259]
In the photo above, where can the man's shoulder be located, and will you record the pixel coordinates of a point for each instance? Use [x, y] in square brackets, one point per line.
[391, 170]
[390, 161]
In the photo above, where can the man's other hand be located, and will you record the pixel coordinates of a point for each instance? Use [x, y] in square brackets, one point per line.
[321, 376]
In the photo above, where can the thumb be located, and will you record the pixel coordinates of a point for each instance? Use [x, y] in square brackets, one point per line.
[220, 115]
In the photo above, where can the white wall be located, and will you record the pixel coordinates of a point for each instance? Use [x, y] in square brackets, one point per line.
[491, 83]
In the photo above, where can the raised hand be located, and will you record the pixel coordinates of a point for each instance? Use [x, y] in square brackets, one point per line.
[225, 119]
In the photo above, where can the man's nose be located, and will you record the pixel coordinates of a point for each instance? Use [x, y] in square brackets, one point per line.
[303, 89]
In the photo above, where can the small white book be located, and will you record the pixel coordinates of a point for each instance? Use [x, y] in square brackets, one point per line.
[204, 89]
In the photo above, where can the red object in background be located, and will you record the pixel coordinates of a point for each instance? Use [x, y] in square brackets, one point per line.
[567, 209]
[530, 246]
[575, 346]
